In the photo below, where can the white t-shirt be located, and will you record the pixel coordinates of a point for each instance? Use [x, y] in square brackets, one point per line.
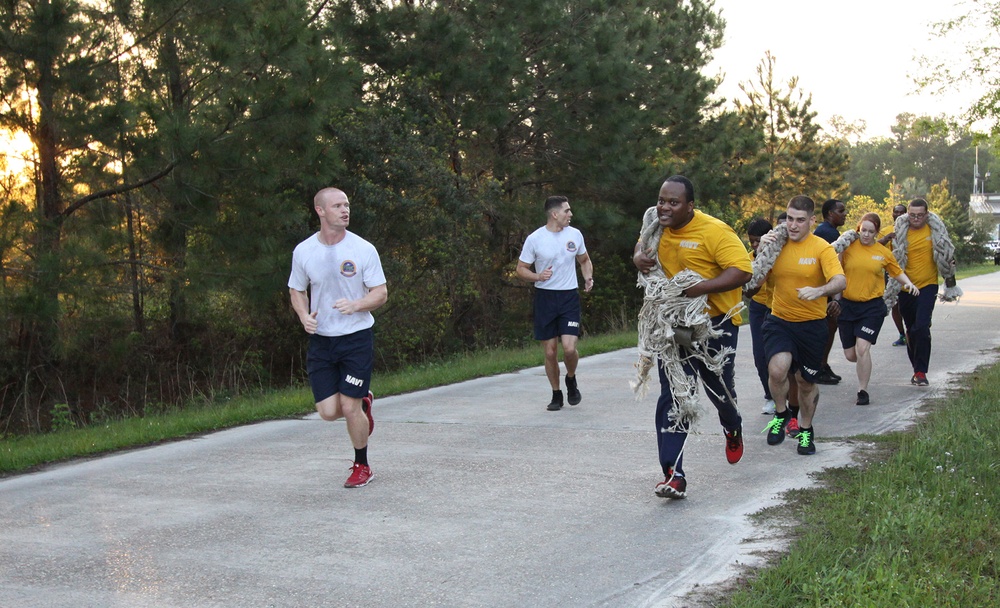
[545, 248]
[348, 269]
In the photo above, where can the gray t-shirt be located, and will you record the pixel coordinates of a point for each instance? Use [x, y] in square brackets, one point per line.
[348, 269]
[545, 248]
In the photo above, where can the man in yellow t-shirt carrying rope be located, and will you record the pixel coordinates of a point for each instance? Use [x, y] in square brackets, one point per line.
[691, 266]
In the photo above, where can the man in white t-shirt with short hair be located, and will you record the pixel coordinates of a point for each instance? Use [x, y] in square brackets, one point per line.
[343, 275]
[548, 259]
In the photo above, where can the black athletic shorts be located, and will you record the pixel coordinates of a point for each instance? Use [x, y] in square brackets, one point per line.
[557, 313]
[805, 340]
[860, 320]
[341, 364]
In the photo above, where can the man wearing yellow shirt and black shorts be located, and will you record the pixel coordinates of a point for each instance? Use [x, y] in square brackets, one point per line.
[699, 242]
[804, 275]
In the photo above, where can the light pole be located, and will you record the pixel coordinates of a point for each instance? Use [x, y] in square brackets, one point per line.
[978, 181]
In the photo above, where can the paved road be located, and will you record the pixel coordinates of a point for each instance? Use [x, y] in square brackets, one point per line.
[481, 497]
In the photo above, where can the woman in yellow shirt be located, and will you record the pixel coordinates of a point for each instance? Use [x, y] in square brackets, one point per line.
[862, 309]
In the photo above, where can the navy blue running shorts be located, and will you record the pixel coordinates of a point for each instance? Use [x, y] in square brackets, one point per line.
[341, 364]
[557, 313]
[860, 320]
[805, 340]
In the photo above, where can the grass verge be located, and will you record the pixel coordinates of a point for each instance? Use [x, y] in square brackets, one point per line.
[917, 526]
[974, 270]
[20, 454]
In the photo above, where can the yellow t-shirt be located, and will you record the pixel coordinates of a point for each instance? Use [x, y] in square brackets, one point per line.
[863, 266]
[885, 231]
[763, 295]
[707, 246]
[811, 262]
[920, 266]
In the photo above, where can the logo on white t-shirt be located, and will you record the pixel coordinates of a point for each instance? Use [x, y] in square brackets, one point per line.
[348, 268]
[570, 246]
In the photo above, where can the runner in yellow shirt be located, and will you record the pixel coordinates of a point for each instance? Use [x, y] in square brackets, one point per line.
[921, 245]
[805, 273]
[862, 309]
[696, 241]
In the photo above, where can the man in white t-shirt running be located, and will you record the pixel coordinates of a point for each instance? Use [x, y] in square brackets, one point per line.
[343, 275]
[548, 259]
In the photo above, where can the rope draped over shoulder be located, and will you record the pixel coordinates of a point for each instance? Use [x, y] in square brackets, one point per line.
[944, 258]
[673, 328]
[767, 254]
[845, 240]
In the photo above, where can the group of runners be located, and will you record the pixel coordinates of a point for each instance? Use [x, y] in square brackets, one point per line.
[803, 290]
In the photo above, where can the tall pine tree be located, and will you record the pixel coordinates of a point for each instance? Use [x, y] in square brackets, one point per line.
[798, 160]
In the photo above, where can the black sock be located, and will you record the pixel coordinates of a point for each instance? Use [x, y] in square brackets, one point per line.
[361, 455]
[794, 409]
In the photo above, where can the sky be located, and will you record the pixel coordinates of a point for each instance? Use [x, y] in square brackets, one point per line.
[856, 57]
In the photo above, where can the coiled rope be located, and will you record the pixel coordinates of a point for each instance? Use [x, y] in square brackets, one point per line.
[673, 329]
[944, 258]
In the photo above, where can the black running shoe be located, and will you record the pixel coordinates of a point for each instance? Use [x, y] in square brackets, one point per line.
[862, 398]
[776, 429]
[572, 392]
[826, 376]
[556, 403]
[807, 446]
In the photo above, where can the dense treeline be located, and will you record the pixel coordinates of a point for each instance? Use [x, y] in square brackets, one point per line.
[177, 145]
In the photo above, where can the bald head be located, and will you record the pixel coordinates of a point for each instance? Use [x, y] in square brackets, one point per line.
[333, 209]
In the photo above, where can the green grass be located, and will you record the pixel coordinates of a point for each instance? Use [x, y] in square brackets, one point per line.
[18, 454]
[916, 526]
[974, 270]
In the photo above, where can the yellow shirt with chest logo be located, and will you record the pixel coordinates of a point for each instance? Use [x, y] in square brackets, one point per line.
[811, 262]
[863, 266]
[707, 246]
[920, 266]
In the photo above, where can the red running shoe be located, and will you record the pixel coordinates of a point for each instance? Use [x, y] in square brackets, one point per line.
[734, 445]
[366, 407]
[792, 430]
[671, 487]
[361, 474]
